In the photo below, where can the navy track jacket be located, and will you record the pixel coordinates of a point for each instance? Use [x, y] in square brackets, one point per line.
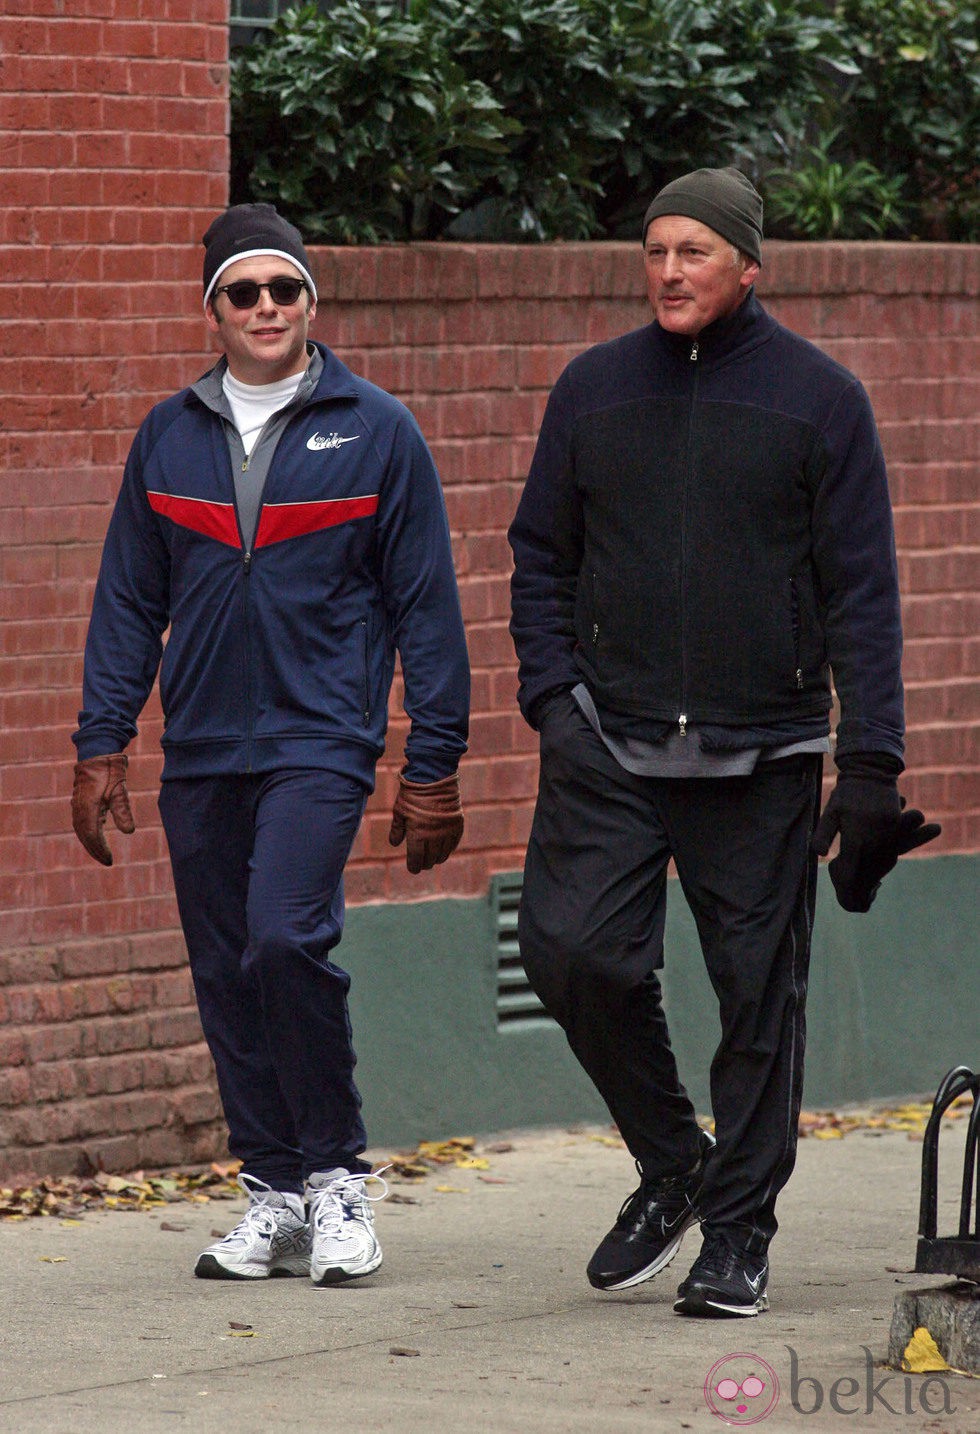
[704, 532]
[281, 655]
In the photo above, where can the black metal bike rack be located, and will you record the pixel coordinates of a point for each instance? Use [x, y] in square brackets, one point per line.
[957, 1254]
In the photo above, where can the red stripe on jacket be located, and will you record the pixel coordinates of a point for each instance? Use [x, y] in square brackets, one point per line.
[214, 520]
[291, 520]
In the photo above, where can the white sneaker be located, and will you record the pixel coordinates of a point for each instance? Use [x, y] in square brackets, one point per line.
[273, 1238]
[342, 1224]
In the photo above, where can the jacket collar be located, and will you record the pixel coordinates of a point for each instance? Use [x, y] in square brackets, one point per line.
[326, 378]
[747, 326]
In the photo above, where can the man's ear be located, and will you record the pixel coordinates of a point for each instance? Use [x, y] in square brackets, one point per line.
[213, 322]
[750, 273]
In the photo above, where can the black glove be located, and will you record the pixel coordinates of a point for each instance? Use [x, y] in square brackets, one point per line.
[874, 832]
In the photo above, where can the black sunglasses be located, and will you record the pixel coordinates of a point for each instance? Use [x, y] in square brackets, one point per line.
[244, 293]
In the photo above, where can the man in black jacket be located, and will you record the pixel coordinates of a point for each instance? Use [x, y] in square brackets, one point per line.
[705, 532]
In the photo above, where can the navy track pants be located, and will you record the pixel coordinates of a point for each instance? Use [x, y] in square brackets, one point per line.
[258, 865]
[591, 929]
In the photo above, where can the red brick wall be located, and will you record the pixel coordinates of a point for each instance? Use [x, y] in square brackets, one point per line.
[113, 134]
[113, 127]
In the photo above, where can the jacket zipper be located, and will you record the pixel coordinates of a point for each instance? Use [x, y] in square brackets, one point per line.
[246, 636]
[595, 610]
[247, 570]
[795, 608]
[366, 690]
[682, 716]
[246, 608]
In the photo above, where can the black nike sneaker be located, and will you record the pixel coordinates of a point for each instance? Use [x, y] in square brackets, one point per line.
[650, 1227]
[726, 1281]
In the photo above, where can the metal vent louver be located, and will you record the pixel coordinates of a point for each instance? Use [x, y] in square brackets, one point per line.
[517, 1005]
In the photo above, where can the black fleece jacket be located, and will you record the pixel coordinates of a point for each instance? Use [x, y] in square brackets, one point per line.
[705, 532]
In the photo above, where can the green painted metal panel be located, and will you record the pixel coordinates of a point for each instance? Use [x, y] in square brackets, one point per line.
[894, 1002]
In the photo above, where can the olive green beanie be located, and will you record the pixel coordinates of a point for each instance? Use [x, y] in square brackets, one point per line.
[721, 198]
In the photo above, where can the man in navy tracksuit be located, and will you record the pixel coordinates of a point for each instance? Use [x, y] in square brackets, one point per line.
[704, 533]
[284, 519]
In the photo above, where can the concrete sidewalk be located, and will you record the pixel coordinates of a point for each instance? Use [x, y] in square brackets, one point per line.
[105, 1331]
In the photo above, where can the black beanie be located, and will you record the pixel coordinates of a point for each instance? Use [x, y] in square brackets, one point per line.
[245, 231]
[721, 198]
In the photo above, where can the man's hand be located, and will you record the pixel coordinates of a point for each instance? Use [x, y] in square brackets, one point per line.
[100, 788]
[430, 816]
[874, 832]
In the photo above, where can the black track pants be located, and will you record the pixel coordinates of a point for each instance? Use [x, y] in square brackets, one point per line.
[591, 932]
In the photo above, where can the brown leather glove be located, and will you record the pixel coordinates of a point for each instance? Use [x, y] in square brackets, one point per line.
[429, 814]
[100, 788]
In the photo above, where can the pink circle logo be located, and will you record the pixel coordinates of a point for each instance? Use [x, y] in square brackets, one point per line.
[741, 1389]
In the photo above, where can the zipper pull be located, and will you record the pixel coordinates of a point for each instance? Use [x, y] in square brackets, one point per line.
[682, 723]
[246, 462]
[595, 632]
[694, 352]
[247, 561]
[799, 679]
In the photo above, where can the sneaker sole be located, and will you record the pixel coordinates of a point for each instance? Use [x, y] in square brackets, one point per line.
[208, 1268]
[648, 1271]
[701, 1307]
[341, 1274]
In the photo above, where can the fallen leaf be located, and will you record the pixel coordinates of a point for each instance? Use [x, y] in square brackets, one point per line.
[447, 1152]
[409, 1169]
[493, 1179]
[53, 1259]
[116, 1183]
[403, 1350]
[450, 1190]
[395, 1199]
[226, 1171]
[241, 1333]
[71, 1196]
[922, 1354]
[167, 1225]
[830, 1133]
[466, 1305]
[234, 1324]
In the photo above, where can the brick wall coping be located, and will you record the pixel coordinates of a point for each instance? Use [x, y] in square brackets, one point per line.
[442, 271]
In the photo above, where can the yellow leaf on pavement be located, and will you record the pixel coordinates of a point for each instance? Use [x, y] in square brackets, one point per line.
[922, 1354]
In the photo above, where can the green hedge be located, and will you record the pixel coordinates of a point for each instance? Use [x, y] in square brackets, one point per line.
[552, 119]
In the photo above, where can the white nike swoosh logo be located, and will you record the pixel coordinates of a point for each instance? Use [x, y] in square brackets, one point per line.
[332, 440]
[754, 1284]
